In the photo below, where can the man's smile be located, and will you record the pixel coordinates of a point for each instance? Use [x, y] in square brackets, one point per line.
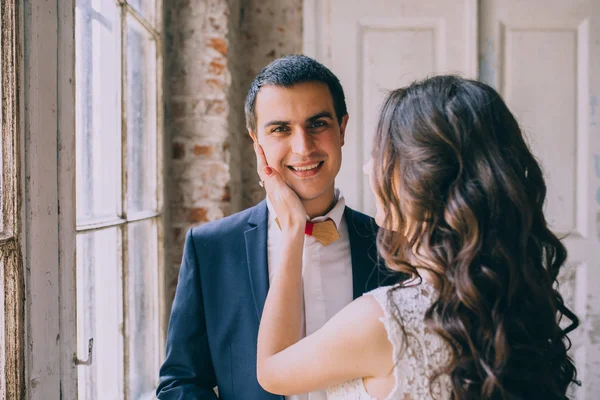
[306, 170]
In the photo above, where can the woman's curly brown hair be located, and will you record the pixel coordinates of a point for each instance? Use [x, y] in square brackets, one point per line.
[463, 198]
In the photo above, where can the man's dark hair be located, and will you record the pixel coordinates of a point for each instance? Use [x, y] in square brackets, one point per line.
[291, 70]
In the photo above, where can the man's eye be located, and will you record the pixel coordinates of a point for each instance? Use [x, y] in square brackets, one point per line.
[279, 129]
[318, 125]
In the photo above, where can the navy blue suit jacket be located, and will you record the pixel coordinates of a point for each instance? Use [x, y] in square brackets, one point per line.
[220, 295]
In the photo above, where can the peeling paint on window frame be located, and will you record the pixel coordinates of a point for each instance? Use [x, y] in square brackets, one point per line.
[12, 368]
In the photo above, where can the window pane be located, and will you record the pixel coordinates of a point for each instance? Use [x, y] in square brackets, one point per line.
[141, 119]
[98, 98]
[147, 8]
[142, 309]
[99, 314]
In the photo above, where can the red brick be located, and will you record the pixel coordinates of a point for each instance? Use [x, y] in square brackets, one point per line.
[200, 150]
[197, 215]
[215, 83]
[216, 67]
[219, 44]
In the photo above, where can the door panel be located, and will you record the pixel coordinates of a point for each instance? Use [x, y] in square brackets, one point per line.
[380, 45]
[543, 56]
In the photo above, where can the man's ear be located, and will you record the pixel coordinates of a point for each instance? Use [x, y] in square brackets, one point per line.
[343, 127]
[252, 135]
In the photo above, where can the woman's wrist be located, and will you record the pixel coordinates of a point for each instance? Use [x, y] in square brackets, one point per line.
[294, 235]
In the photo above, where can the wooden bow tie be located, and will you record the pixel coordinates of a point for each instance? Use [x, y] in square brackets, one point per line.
[324, 232]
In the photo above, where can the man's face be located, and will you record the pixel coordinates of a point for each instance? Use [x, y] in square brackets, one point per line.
[299, 132]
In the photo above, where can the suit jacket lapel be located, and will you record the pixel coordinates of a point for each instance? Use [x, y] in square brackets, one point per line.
[257, 260]
[256, 255]
[365, 274]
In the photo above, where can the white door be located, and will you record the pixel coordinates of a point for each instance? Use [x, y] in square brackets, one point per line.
[544, 58]
[378, 45]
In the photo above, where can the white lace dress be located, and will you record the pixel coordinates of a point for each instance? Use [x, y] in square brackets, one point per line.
[415, 363]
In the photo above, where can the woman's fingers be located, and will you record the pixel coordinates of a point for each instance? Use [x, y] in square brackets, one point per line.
[268, 175]
[263, 169]
[287, 204]
[261, 164]
[261, 160]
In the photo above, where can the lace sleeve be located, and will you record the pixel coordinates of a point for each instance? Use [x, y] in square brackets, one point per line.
[394, 332]
[417, 352]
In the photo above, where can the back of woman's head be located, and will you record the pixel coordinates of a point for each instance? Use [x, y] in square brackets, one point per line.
[464, 196]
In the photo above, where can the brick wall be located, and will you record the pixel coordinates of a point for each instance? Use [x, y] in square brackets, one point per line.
[270, 29]
[213, 49]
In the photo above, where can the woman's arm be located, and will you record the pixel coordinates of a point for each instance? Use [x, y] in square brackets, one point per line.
[280, 326]
[353, 344]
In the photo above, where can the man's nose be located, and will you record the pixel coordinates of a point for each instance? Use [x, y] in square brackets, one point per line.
[302, 142]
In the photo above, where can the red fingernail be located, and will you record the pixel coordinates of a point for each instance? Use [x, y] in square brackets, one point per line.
[268, 170]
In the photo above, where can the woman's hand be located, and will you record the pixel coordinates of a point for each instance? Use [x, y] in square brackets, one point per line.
[288, 207]
[281, 322]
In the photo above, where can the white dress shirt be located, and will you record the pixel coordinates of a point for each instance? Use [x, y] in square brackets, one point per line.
[326, 274]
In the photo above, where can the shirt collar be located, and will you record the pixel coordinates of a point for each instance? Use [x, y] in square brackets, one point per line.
[336, 213]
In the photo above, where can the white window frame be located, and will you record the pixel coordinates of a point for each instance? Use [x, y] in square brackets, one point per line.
[12, 343]
[48, 212]
[47, 139]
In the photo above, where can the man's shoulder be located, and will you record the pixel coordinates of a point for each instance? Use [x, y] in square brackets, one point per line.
[359, 215]
[360, 221]
[225, 226]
